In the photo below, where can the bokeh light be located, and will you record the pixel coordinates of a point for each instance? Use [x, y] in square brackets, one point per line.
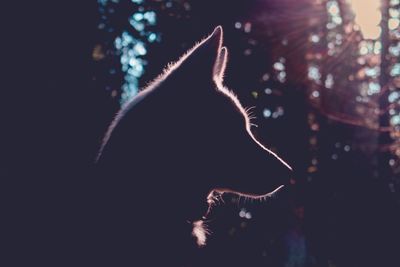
[368, 17]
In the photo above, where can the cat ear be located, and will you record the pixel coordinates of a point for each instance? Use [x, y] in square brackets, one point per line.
[220, 64]
[213, 42]
[204, 56]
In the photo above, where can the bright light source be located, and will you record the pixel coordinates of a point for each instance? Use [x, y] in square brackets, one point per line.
[368, 17]
[393, 23]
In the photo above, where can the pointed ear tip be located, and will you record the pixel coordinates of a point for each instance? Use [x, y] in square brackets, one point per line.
[218, 32]
[218, 29]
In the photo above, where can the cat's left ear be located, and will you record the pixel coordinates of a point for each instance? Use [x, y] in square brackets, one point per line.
[205, 55]
[220, 64]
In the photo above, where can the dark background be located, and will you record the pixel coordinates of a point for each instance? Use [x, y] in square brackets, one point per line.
[58, 107]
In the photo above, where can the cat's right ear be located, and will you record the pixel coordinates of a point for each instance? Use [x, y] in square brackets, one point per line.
[220, 64]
